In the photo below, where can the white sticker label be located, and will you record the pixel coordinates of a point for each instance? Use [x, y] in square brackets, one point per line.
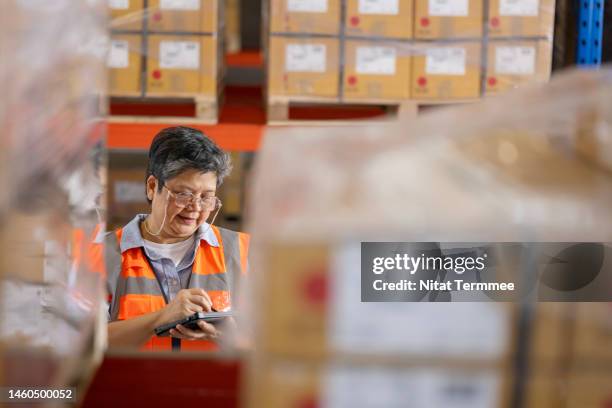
[119, 4]
[376, 60]
[179, 54]
[445, 61]
[307, 6]
[410, 328]
[305, 58]
[379, 7]
[453, 8]
[515, 60]
[118, 55]
[179, 4]
[129, 192]
[350, 386]
[519, 7]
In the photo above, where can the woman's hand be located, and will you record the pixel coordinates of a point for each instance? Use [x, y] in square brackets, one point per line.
[186, 303]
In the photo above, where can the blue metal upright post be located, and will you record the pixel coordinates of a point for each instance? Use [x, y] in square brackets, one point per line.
[590, 32]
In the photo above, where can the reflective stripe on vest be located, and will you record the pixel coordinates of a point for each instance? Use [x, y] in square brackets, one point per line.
[135, 290]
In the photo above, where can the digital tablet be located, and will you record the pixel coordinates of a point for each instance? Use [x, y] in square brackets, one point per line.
[191, 322]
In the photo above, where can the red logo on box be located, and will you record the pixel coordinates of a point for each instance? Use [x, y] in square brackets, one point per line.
[422, 81]
[157, 74]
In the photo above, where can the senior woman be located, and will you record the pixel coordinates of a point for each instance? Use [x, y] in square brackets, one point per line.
[172, 263]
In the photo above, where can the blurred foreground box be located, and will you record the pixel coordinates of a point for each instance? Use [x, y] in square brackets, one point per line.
[287, 383]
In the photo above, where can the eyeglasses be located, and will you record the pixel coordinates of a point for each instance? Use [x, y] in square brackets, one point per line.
[184, 199]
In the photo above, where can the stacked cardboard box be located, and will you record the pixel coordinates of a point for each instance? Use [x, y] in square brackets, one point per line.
[389, 50]
[317, 344]
[166, 48]
[339, 50]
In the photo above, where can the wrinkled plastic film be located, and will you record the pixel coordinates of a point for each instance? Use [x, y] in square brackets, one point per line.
[529, 166]
[52, 174]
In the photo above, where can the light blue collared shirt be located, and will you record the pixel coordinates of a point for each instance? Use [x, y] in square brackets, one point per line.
[171, 278]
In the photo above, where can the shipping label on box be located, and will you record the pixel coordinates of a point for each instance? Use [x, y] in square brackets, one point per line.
[437, 19]
[307, 6]
[379, 18]
[449, 8]
[446, 71]
[390, 7]
[197, 16]
[314, 309]
[304, 16]
[179, 54]
[126, 14]
[515, 63]
[119, 4]
[445, 61]
[182, 65]
[376, 71]
[305, 58]
[521, 18]
[124, 63]
[179, 5]
[119, 54]
[303, 67]
[515, 60]
[518, 7]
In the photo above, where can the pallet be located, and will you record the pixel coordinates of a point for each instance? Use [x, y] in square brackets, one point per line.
[164, 110]
[336, 113]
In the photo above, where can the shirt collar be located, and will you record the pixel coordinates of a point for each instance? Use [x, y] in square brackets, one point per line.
[132, 238]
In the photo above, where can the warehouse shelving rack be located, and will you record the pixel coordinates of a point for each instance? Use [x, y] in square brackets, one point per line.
[590, 32]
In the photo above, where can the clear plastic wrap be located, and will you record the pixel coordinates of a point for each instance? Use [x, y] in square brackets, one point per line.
[529, 166]
[51, 170]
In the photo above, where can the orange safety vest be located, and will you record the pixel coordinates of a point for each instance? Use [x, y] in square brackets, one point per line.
[134, 289]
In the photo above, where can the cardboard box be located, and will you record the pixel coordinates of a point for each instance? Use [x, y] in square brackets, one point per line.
[514, 63]
[126, 193]
[307, 67]
[304, 16]
[126, 14]
[125, 65]
[182, 65]
[446, 71]
[280, 383]
[593, 334]
[376, 70]
[589, 389]
[311, 295]
[192, 16]
[521, 18]
[545, 389]
[232, 26]
[379, 18]
[435, 19]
